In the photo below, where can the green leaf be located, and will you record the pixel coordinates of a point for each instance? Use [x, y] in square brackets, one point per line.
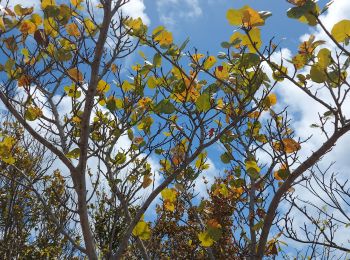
[200, 163]
[341, 30]
[74, 154]
[249, 60]
[215, 233]
[203, 103]
[226, 157]
[165, 107]
[324, 58]
[303, 12]
[157, 60]
[120, 158]
[317, 74]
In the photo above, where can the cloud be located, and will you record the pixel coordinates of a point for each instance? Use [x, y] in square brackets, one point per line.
[135, 9]
[171, 11]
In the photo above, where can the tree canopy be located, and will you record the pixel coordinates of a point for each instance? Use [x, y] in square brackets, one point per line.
[102, 160]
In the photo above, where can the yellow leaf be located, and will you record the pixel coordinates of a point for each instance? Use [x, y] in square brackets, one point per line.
[221, 72]
[75, 74]
[254, 39]
[72, 30]
[45, 3]
[341, 30]
[205, 239]
[90, 27]
[220, 104]
[76, 3]
[9, 160]
[288, 145]
[169, 195]
[127, 86]
[249, 165]
[27, 27]
[134, 24]
[152, 82]
[162, 36]
[2, 25]
[102, 86]
[142, 230]
[197, 56]
[145, 102]
[169, 206]
[245, 16]
[36, 19]
[209, 62]
[50, 27]
[297, 2]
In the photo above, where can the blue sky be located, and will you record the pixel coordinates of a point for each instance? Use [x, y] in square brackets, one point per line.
[205, 23]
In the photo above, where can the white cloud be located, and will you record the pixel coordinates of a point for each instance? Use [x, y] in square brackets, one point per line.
[170, 11]
[135, 9]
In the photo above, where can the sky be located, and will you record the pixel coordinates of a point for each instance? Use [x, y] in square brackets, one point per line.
[204, 22]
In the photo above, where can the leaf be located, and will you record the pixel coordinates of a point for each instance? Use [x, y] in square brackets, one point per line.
[341, 30]
[169, 194]
[203, 103]
[74, 154]
[120, 158]
[147, 180]
[152, 82]
[304, 12]
[46, 3]
[142, 230]
[281, 174]
[73, 30]
[90, 27]
[75, 74]
[226, 157]
[205, 239]
[102, 87]
[317, 74]
[269, 101]
[127, 86]
[76, 3]
[165, 107]
[324, 57]
[288, 145]
[209, 62]
[162, 36]
[252, 165]
[22, 11]
[32, 113]
[221, 72]
[27, 27]
[245, 16]
[157, 60]
[200, 163]
[252, 43]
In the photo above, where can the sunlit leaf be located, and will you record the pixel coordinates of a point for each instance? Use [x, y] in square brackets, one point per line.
[341, 30]
[205, 239]
[142, 230]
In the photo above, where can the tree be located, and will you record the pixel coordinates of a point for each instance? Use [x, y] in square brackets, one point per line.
[63, 83]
